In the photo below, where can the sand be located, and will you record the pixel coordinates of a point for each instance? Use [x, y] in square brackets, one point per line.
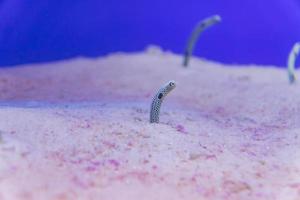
[79, 129]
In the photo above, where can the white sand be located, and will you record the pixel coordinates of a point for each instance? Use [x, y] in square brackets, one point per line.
[79, 129]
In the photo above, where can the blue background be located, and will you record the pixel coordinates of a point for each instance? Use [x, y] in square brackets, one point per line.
[252, 31]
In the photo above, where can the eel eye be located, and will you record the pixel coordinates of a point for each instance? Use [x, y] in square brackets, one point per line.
[160, 96]
[171, 84]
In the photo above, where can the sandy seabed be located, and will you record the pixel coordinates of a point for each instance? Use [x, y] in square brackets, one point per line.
[79, 129]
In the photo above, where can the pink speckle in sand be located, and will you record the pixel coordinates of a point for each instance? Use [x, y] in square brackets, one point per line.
[181, 129]
[114, 163]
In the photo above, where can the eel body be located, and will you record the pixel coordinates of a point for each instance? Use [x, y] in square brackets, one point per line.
[158, 99]
[200, 27]
[291, 62]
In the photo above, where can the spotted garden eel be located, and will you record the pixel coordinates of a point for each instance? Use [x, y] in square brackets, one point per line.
[200, 27]
[158, 99]
[291, 62]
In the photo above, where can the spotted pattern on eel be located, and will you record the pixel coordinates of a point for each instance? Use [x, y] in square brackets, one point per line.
[158, 99]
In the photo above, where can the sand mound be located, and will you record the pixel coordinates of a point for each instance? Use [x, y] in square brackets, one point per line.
[79, 129]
